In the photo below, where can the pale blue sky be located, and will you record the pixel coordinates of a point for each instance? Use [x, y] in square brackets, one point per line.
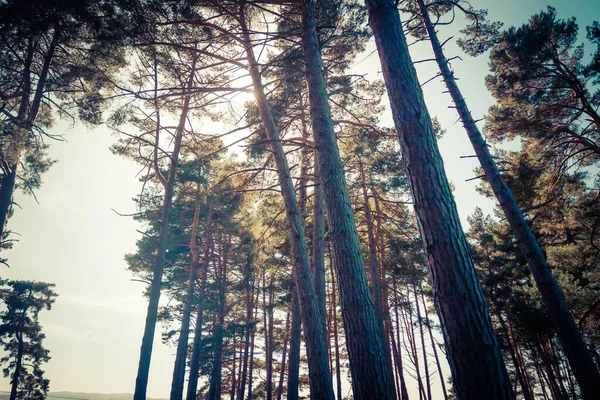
[72, 238]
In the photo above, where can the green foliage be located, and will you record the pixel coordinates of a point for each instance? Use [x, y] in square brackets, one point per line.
[545, 90]
[21, 335]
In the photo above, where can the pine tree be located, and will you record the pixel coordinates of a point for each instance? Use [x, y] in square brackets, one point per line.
[21, 336]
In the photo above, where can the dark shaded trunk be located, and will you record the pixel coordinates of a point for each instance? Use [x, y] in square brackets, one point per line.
[197, 344]
[233, 381]
[269, 339]
[370, 378]
[141, 381]
[19, 361]
[250, 377]
[412, 341]
[214, 390]
[26, 116]
[7, 187]
[283, 356]
[434, 347]
[374, 273]
[473, 351]
[399, 361]
[182, 346]
[248, 273]
[519, 372]
[316, 349]
[575, 349]
[336, 344]
[318, 242]
[295, 338]
[423, 347]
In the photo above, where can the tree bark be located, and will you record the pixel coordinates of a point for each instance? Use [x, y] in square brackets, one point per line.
[374, 269]
[214, 390]
[434, 347]
[269, 339]
[196, 346]
[178, 381]
[28, 111]
[575, 349]
[141, 381]
[250, 377]
[283, 356]
[319, 373]
[336, 344]
[473, 351]
[293, 380]
[423, 347]
[370, 377]
[318, 242]
[19, 361]
[248, 273]
[399, 361]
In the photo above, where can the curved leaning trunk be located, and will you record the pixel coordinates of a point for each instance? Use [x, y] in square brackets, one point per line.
[319, 374]
[575, 349]
[370, 377]
[473, 351]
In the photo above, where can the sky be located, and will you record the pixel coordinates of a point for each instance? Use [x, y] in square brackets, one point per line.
[73, 238]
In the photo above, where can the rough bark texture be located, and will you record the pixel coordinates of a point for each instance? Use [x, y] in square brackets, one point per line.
[316, 349]
[473, 352]
[141, 381]
[318, 242]
[575, 349]
[370, 378]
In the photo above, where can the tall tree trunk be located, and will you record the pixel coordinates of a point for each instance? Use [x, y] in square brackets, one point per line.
[370, 378]
[233, 382]
[19, 359]
[575, 349]
[473, 351]
[316, 349]
[270, 341]
[283, 356]
[412, 341]
[197, 344]
[399, 361]
[248, 274]
[293, 380]
[336, 344]
[141, 381]
[434, 347]
[26, 116]
[423, 347]
[374, 272]
[250, 377]
[178, 381]
[214, 390]
[318, 242]
[526, 391]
